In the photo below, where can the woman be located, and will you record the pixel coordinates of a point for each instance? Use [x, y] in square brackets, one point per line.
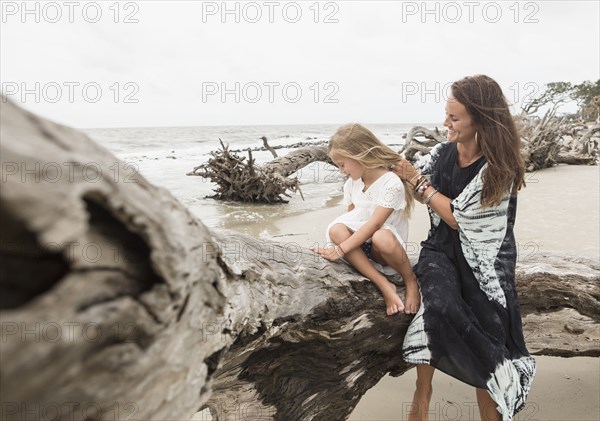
[469, 323]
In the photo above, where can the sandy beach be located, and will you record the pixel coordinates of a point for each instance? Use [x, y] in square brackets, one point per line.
[552, 215]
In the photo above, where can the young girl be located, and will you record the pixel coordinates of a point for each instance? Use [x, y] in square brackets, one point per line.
[372, 234]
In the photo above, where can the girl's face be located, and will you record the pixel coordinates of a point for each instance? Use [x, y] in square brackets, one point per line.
[347, 166]
[458, 122]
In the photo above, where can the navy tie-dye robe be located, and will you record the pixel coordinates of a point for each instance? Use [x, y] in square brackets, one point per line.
[469, 324]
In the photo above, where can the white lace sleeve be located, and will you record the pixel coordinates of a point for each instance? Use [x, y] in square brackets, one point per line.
[391, 194]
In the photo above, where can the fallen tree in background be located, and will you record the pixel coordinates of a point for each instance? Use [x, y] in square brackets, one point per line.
[242, 180]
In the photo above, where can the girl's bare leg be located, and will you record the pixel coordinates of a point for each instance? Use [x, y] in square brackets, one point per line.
[388, 250]
[357, 258]
[419, 411]
[487, 406]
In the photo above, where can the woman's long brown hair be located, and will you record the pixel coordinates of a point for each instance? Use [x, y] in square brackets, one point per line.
[496, 134]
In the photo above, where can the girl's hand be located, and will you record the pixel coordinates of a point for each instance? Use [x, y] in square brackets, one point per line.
[405, 170]
[329, 253]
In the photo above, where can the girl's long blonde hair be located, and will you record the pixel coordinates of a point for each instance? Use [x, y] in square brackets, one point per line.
[356, 142]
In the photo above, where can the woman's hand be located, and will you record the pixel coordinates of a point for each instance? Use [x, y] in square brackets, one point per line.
[405, 170]
[329, 253]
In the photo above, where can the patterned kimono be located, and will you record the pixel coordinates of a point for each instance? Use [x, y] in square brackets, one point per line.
[469, 323]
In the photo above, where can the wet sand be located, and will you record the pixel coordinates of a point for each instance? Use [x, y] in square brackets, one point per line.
[564, 389]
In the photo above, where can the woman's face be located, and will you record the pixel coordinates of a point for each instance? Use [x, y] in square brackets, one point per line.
[458, 122]
[347, 166]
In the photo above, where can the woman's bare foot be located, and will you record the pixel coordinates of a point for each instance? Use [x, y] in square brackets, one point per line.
[419, 410]
[393, 302]
[413, 297]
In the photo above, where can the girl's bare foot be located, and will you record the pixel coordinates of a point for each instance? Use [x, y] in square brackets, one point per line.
[419, 410]
[393, 302]
[413, 297]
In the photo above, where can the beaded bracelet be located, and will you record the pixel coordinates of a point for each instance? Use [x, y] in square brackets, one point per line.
[433, 193]
[340, 246]
[337, 250]
[422, 180]
[423, 187]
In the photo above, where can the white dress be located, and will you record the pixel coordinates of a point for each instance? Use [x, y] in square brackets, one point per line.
[387, 191]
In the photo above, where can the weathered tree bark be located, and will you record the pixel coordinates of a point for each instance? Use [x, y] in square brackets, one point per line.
[541, 142]
[295, 160]
[584, 148]
[104, 284]
[241, 180]
[121, 304]
[559, 296]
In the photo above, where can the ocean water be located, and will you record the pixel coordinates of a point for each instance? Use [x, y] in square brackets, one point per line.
[165, 154]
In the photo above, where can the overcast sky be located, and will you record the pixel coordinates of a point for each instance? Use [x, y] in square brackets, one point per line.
[194, 63]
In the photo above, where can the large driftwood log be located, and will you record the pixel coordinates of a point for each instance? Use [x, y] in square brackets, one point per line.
[551, 140]
[104, 286]
[541, 142]
[559, 297]
[118, 303]
[583, 147]
[241, 180]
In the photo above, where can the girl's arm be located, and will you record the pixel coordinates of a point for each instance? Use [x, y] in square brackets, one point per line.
[365, 232]
[361, 235]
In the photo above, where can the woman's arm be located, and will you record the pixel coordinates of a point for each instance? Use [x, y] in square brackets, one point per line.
[440, 205]
[438, 202]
